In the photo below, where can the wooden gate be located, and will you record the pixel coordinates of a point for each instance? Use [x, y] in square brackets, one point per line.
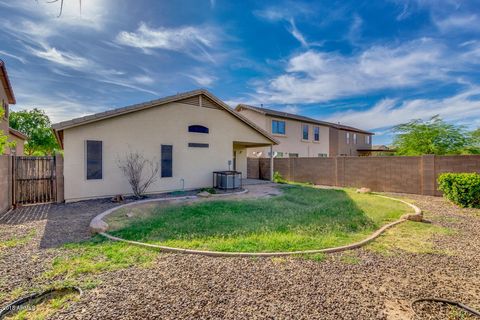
[34, 180]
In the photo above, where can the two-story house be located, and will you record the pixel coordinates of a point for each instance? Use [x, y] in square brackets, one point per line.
[6, 98]
[301, 136]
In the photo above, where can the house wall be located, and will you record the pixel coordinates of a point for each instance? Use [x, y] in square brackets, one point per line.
[350, 149]
[145, 131]
[332, 141]
[19, 146]
[292, 141]
[416, 175]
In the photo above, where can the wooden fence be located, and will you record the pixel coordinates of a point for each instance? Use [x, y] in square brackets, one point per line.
[417, 175]
[34, 180]
[30, 180]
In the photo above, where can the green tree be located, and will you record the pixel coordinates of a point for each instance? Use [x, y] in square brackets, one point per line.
[3, 137]
[434, 136]
[474, 143]
[36, 125]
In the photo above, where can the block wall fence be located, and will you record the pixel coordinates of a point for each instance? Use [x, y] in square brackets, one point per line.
[416, 175]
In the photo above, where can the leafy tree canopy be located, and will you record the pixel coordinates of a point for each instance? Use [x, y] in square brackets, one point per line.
[434, 136]
[3, 137]
[36, 125]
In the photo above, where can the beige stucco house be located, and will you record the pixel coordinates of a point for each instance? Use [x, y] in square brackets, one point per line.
[301, 136]
[191, 134]
[6, 99]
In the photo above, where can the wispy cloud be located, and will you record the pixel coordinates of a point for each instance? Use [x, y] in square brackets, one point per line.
[4, 53]
[458, 22]
[189, 39]
[93, 14]
[316, 76]
[290, 109]
[389, 112]
[297, 34]
[203, 79]
[66, 59]
[143, 79]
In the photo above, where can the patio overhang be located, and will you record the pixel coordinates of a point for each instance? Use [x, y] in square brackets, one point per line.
[246, 144]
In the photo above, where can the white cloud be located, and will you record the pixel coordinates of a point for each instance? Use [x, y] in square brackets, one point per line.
[316, 76]
[458, 22]
[464, 106]
[297, 34]
[191, 40]
[203, 80]
[144, 79]
[93, 13]
[66, 59]
[4, 53]
[291, 109]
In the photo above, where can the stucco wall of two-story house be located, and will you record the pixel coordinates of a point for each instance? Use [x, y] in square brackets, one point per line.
[292, 143]
[346, 143]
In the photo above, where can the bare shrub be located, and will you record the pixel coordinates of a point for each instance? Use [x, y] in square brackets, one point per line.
[133, 166]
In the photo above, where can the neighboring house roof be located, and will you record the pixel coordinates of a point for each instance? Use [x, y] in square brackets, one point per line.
[6, 83]
[59, 127]
[292, 116]
[17, 134]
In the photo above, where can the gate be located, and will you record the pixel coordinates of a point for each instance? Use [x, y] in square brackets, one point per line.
[34, 180]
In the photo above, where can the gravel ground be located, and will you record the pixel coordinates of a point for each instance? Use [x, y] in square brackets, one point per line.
[188, 286]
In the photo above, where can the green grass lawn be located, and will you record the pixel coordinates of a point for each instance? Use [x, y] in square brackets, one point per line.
[301, 218]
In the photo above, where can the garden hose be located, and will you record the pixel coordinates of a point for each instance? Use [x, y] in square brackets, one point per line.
[450, 302]
[14, 306]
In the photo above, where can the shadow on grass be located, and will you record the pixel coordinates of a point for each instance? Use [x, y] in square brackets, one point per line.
[302, 218]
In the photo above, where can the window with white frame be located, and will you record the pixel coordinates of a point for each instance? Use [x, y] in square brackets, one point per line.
[316, 134]
[354, 138]
[278, 127]
[347, 137]
[305, 131]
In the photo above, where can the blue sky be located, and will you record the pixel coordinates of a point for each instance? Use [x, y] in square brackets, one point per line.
[370, 64]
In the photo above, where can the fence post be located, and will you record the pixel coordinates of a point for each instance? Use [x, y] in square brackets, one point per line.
[339, 171]
[427, 172]
[60, 189]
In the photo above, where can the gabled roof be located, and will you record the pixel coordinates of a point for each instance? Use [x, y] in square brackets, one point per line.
[286, 115]
[59, 127]
[6, 83]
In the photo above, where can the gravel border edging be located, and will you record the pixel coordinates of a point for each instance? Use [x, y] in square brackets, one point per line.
[98, 219]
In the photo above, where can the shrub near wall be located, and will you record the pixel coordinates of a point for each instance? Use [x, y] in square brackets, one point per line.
[462, 189]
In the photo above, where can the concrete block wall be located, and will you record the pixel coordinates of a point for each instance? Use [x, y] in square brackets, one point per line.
[416, 175]
[5, 183]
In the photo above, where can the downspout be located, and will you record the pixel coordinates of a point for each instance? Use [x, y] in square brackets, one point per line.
[271, 162]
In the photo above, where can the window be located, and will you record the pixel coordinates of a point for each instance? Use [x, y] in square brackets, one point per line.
[197, 128]
[167, 159]
[278, 127]
[94, 159]
[367, 139]
[322, 155]
[278, 154]
[354, 138]
[293, 155]
[198, 145]
[316, 134]
[347, 136]
[305, 131]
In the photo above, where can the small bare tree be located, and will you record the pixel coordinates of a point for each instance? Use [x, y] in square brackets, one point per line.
[133, 166]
